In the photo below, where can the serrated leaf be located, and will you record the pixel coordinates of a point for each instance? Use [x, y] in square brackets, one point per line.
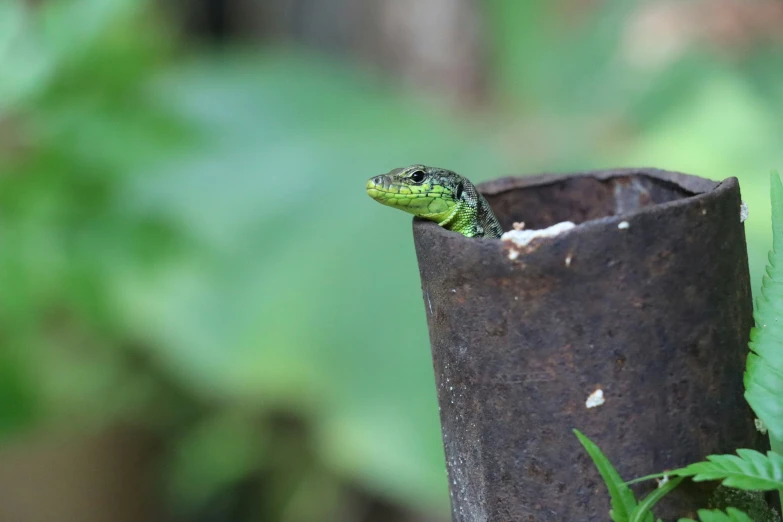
[764, 370]
[750, 470]
[622, 498]
[716, 515]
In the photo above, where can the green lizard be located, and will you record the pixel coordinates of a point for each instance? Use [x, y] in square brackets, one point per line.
[439, 195]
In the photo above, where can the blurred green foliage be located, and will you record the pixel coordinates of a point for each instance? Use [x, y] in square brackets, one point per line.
[73, 126]
[198, 223]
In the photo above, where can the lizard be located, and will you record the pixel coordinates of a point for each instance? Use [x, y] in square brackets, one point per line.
[439, 195]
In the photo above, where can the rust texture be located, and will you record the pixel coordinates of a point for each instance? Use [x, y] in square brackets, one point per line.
[656, 314]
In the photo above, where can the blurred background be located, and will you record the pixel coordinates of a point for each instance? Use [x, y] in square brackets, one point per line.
[204, 318]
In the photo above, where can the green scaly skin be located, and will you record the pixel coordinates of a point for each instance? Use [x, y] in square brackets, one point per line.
[439, 195]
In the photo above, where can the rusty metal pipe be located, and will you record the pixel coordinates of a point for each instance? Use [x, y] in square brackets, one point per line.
[647, 299]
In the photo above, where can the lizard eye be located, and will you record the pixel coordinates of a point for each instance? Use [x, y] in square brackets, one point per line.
[417, 177]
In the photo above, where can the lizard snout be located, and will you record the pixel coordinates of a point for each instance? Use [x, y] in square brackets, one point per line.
[378, 183]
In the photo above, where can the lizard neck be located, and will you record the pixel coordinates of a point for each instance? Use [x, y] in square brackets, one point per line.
[454, 212]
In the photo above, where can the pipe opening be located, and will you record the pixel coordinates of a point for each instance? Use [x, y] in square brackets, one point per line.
[580, 199]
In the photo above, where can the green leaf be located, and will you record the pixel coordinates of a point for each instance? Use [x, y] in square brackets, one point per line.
[642, 512]
[623, 500]
[731, 515]
[750, 470]
[764, 369]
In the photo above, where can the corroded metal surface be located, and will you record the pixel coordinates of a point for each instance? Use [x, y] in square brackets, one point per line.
[648, 299]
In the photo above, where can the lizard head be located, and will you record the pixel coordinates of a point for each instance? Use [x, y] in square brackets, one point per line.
[427, 192]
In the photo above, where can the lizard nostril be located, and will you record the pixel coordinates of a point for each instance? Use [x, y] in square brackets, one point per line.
[377, 180]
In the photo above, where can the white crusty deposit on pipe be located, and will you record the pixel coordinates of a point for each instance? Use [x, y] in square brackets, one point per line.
[595, 399]
[522, 238]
